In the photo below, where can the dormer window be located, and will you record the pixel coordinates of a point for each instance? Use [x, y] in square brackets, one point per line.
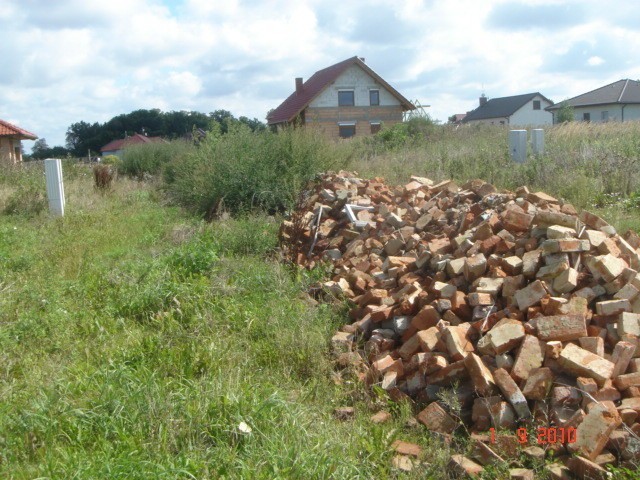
[346, 98]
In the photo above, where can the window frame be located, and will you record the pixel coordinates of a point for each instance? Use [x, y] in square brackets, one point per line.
[537, 105]
[586, 116]
[375, 127]
[340, 98]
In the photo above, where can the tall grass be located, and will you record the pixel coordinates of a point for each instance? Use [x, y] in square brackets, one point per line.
[582, 161]
[150, 158]
[244, 170]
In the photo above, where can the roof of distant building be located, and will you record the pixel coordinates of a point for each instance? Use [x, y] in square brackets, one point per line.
[622, 91]
[135, 139]
[298, 101]
[9, 130]
[502, 107]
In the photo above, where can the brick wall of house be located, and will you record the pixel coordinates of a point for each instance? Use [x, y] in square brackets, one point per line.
[7, 150]
[326, 119]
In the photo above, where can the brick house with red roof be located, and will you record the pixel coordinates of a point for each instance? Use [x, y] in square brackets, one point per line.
[10, 138]
[116, 147]
[344, 100]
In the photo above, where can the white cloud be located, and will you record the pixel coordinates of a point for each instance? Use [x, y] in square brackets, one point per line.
[595, 61]
[74, 60]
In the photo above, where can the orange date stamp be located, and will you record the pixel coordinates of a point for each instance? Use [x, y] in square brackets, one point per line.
[543, 435]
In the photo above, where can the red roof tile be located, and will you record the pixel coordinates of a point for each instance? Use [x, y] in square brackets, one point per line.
[135, 139]
[295, 103]
[9, 130]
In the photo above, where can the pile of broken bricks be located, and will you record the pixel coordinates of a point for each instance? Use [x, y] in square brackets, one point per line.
[526, 309]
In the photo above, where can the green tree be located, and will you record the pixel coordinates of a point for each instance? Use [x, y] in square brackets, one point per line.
[41, 150]
[565, 113]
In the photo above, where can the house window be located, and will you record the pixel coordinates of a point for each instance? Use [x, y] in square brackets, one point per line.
[375, 127]
[604, 116]
[347, 130]
[536, 104]
[586, 117]
[374, 97]
[345, 98]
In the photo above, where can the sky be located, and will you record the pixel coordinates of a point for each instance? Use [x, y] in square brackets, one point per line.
[65, 61]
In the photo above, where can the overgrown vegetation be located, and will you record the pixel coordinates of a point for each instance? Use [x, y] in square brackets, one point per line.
[243, 170]
[137, 341]
[150, 158]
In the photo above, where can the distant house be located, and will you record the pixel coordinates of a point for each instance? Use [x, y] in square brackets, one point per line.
[116, 147]
[457, 118]
[10, 138]
[344, 100]
[527, 109]
[618, 101]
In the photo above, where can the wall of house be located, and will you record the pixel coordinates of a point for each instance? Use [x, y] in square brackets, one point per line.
[7, 150]
[356, 79]
[614, 113]
[328, 119]
[526, 115]
[490, 121]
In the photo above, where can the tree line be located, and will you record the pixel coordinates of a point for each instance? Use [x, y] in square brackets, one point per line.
[85, 139]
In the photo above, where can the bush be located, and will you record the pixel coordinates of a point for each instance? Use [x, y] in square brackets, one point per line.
[113, 160]
[103, 176]
[150, 158]
[29, 197]
[244, 170]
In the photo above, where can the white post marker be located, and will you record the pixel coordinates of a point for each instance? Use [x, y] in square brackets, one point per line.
[537, 141]
[55, 187]
[518, 145]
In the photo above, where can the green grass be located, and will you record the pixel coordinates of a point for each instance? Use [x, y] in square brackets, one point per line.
[135, 339]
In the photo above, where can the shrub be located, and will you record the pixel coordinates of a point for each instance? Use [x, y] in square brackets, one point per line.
[103, 176]
[29, 197]
[244, 170]
[113, 160]
[150, 158]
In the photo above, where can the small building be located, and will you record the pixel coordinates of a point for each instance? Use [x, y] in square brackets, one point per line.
[618, 101]
[457, 118]
[522, 110]
[116, 147]
[10, 142]
[344, 100]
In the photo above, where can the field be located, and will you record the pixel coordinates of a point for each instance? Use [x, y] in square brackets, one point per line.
[138, 340]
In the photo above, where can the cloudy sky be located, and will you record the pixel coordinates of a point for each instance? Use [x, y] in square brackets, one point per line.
[70, 60]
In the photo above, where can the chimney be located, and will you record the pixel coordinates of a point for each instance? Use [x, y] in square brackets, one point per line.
[483, 100]
[362, 59]
[298, 85]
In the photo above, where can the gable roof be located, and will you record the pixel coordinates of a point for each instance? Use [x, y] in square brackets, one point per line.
[502, 107]
[9, 130]
[295, 103]
[622, 91]
[134, 139]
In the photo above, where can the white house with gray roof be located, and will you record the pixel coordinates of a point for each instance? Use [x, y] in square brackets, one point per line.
[518, 110]
[618, 101]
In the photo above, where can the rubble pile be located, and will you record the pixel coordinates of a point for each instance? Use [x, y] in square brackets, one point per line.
[529, 308]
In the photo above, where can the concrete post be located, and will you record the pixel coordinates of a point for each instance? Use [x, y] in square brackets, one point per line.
[55, 187]
[537, 141]
[518, 145]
